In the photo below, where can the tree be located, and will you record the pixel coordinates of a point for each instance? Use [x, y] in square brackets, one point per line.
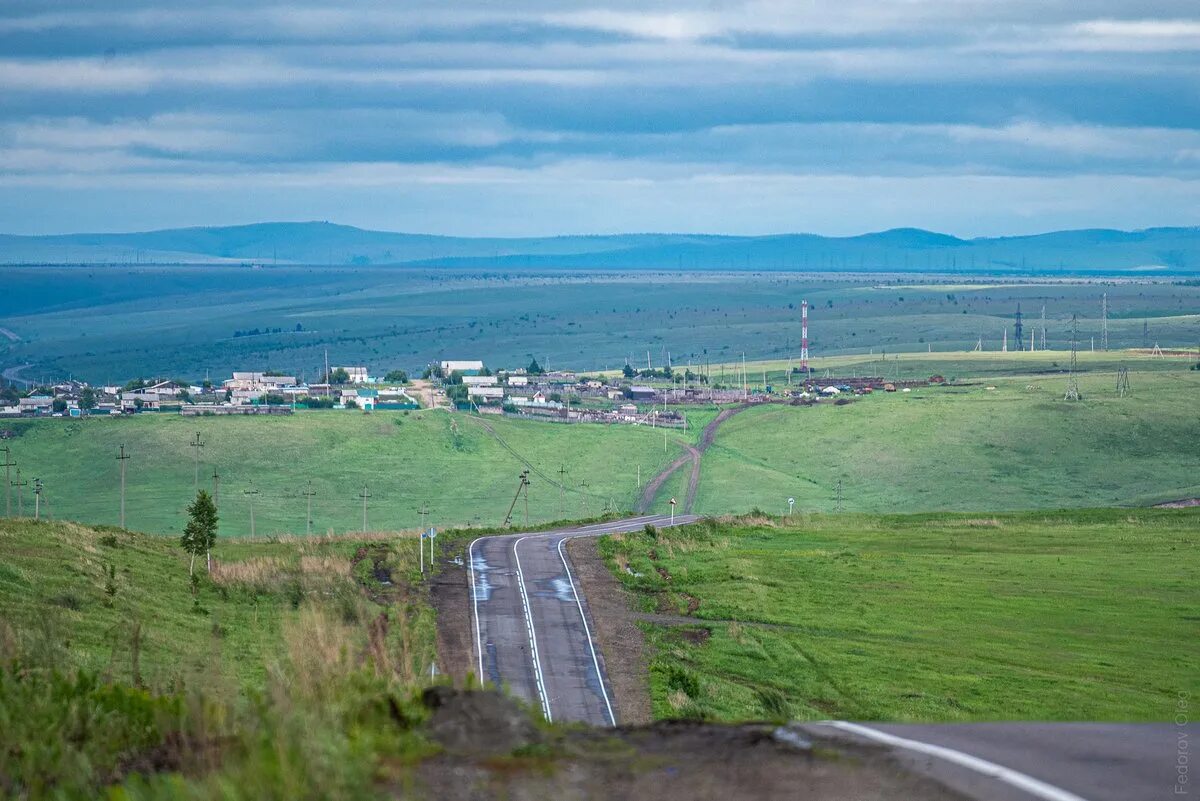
[200, 533]
[396, 377]
[59, 405]
[534, 368]
[87, 400]
[628, 371]
[339, 376]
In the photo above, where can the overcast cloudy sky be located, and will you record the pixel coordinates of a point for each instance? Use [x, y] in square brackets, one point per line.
[531, 117]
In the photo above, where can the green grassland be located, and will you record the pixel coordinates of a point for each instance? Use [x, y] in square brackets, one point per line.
[994, 444]
[1082, 615]
[68, 612]
[112, 323]
[466, 474]
[290, 672]
[1007, 443]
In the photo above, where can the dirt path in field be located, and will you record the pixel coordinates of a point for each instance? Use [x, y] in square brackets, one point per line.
[692, 454]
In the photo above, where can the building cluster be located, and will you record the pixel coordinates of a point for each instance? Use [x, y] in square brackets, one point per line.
[561, 396]
[243, 393]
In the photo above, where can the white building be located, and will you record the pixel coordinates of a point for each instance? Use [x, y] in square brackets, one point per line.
[480, 380]
[464, 367]
[358, 375]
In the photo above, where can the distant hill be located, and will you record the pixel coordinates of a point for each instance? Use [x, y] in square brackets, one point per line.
[1164, 250]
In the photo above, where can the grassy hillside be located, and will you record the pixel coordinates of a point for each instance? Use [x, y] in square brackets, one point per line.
[142, 624]
[466, 474]
[1008, 443]
[1039, 616]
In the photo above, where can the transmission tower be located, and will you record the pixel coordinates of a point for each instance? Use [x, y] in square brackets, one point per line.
[804, 337]
[1072, 378]
[1018, 331]
[1104, 321]
[837, 497]
[1122, 381]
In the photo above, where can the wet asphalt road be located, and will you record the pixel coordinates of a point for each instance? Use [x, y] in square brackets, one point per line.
[532, 632]
[1090, 761]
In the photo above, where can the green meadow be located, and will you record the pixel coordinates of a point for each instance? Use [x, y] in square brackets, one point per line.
[1001, 443]
[1080, 615]
[448, 463]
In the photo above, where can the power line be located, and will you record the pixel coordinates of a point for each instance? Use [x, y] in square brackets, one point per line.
[122, 457]
[8, 465]
[250, 493]
[308, 496]
[196, 444]
[364, 495]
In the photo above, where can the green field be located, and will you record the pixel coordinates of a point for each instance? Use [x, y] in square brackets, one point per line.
[465, 474]
[1004, 443]
[53, 590]
[994, 444]
[108, 324]
[1083, 615]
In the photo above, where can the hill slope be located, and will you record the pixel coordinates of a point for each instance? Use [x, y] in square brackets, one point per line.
[902, 249]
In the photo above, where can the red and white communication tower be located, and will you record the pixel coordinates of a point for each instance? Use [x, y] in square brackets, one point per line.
[804, 335]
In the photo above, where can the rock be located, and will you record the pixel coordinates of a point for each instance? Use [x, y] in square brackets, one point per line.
[477, 722]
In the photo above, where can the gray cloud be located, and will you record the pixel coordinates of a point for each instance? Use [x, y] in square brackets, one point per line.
[530, 101]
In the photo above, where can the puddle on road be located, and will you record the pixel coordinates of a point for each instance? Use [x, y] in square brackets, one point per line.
[482, 589]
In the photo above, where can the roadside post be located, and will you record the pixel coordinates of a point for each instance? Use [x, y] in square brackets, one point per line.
[432, 537]
[672, 511]
[421, 550]
[791, 503]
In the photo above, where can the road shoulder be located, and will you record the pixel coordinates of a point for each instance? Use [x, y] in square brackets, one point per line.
[621, 642]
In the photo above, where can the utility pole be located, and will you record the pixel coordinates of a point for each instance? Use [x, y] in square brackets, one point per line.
[308, 494]
[8, 465]
[1072, 379]
[216, 477]
[524, 477]
[562, 476]
[20, 494]
[122, 457]
[364, 495]
[837, 497]
[424, 513]
[250, 493]
[196, 444]
[1104, 321]
[37, 499]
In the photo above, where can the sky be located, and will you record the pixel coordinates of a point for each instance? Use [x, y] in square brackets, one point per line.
[525, 117]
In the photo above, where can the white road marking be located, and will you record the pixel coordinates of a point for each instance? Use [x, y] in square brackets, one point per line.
[475, 605]
[611, 527]
[537, 660]
[587, 632]
[1035, 787]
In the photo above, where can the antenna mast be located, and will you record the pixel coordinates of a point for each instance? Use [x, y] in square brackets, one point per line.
[804, 336]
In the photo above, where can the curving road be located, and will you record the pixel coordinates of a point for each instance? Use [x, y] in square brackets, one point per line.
[531, 627]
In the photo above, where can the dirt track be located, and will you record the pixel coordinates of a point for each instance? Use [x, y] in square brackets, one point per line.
[692, 454]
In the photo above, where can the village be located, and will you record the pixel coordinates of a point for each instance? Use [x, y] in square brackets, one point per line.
[655, 397]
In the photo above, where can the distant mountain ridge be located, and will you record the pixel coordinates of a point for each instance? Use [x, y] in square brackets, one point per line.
[1165, 250]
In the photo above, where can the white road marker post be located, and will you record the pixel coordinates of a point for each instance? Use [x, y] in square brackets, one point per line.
[421, 549]
[672, 511]
[432, 537]
[791, 503]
